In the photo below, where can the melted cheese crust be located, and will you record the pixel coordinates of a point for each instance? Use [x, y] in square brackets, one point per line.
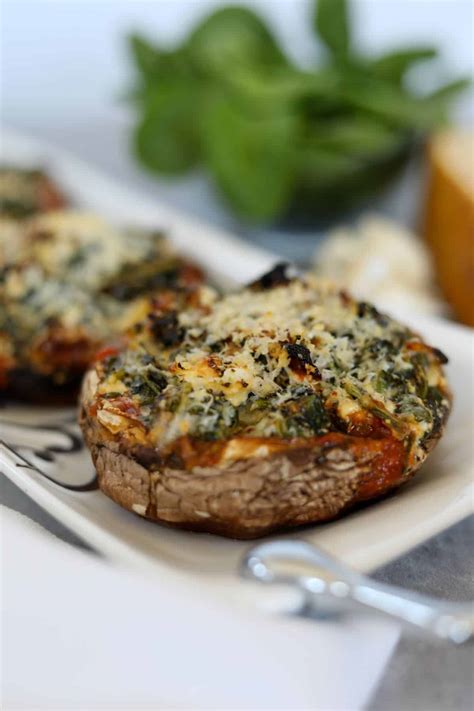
[298, 360]
[76, 278]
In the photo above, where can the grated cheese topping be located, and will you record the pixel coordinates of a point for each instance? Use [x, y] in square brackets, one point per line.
[87, 249]
[296, 360]
[75, 273]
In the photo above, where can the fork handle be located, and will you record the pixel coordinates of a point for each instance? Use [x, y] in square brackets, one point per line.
[328, 580]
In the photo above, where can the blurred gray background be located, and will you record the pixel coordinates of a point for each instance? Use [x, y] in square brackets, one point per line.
[65, 72]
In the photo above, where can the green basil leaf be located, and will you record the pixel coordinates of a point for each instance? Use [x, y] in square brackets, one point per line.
[249, 157]
[356, 136]
[143, 53]
[280, 86]
[393, 65]
[167, 137]
[155, 65]
[445, 93]
[330, 180]
[343, 162]
[439, 101]
[233, 36]
[331, 22]
[326, 167]
[268, 130]
[396, 106]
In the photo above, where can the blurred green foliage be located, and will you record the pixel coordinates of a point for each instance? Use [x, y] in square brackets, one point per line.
[271, 134]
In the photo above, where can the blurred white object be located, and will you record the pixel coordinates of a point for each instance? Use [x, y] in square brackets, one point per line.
[383, 262]
[80, 633]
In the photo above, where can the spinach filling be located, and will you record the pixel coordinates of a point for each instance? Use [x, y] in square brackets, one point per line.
[132, 282]
[305, 416]
[17, 209]
[286, 369]
[148, 385]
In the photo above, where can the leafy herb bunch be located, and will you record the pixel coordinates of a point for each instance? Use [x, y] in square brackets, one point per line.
[273, 135]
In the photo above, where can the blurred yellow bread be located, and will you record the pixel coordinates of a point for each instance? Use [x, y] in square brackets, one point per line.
[449, 218]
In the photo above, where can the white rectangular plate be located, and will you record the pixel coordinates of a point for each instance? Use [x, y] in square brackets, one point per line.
[40, 443]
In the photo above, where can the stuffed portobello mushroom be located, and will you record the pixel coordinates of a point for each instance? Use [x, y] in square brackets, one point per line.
[76, 282]
[282, 404]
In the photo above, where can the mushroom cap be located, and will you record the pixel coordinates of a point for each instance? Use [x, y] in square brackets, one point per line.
[246, 487]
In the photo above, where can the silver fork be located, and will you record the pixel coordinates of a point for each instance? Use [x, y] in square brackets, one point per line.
[331, 587]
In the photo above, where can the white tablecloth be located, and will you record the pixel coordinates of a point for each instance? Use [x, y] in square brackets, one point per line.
[81, 634]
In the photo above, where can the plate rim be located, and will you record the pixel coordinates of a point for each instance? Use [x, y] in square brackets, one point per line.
[37, 488]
